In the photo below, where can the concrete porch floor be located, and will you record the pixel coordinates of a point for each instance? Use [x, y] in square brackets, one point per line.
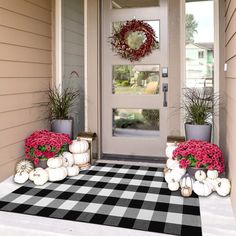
[216, 214]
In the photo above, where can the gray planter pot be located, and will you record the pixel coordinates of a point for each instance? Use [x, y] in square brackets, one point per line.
[62, 126]
[198, 132]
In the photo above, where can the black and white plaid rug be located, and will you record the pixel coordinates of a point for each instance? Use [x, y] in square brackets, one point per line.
[111, 194]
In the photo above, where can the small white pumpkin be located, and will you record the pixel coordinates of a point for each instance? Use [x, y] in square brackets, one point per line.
[212, 174]
[212, 182]
[79, 146]
[57, 174]
[21, 177]
[72, 170]
[223, 187]
[202, 188]
[176, 175]
[55, 162]
[31, 174]
[68, 159]
[39, 176]
[168, 177]
[24, 166]
[173, 186]
[170, 147]
[81, 158]
[200, 175]
[171, 164]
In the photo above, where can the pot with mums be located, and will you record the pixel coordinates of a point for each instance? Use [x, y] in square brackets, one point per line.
[196, 154]
[42, 145]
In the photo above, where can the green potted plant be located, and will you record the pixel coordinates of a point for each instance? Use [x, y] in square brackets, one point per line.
[199, 106]
[61, 105]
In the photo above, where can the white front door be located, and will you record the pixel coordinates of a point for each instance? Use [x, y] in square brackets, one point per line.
[134, 117]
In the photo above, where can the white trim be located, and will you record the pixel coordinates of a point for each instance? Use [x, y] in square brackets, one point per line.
[182, 62]
[58, 44]
[85, 65]
[216, 130]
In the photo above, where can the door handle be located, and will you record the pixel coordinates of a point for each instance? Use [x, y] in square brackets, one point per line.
[165, 90]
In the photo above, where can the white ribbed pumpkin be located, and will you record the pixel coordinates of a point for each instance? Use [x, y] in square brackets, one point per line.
[223, 187]
[55, 162]
[39, 176]
[57, 174]
[202, 188]
[24, 166]
[173, 186]
[72, 170]
[81, 158]
[21, 177]
[68, 159]
[200, 175]
[79, 146]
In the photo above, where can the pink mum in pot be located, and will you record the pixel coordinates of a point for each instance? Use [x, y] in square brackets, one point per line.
[199, 154]
[44, 144]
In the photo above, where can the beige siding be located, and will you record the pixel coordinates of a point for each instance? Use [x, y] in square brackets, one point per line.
[230, 88]
[25, 75]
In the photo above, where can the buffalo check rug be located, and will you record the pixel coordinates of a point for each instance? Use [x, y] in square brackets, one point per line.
[128, 196]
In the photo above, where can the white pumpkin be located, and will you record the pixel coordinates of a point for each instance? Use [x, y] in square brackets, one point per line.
[79, 146]
[24, 166]
[168, 177]
[212, 174]
[223, 187]
[171, 164]
[200, 175]
[212, 182]
[174, 175]
[182, 171]
[72, 170]
[68, 159]
[21, 177]
[177, 175]
[39, 176]
[173, 186]
[55, 162]
[57, 174]
[170, 147]
[81, 158]
[202, 188]
[31, 174]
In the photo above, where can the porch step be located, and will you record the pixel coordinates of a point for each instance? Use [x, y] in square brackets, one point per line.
[130, 158]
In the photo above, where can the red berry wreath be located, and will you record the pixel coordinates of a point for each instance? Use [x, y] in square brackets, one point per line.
[147, 41]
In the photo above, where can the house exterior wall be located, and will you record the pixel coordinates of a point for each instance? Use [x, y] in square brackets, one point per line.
[25, 74]
[230, 88]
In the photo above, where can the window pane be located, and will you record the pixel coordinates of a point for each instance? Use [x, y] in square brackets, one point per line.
[73, 56]
[199, 44]
[136, 122]
[136, 79]
[119, 4]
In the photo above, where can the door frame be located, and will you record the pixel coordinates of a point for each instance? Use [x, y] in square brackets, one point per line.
[93, 60]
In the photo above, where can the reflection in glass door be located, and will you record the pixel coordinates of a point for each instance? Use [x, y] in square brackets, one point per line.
[133, 117]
